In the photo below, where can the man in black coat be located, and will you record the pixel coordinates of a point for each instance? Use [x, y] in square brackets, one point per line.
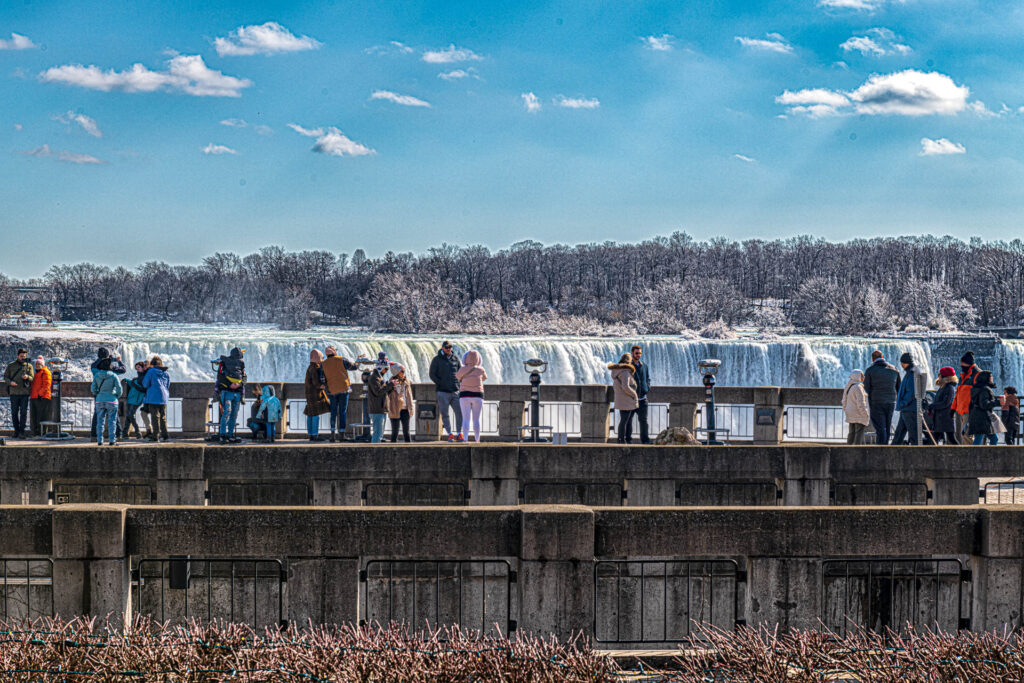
[442, 374]
[642, 377]
[882, 383]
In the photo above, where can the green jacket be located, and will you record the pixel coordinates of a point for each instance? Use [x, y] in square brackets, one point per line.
[14, 372]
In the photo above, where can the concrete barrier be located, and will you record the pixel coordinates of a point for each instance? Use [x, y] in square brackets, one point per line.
[492, 474]
[629, 577]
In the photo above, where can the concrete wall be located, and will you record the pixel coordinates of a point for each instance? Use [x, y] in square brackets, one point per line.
[554, 569]
[488, 474]
[594, 403]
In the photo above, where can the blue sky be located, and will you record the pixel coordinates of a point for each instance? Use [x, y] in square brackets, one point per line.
[308, 125]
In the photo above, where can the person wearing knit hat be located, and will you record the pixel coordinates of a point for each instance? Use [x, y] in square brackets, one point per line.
[399, 402]
[962, 400]
[1010, 414]
[882, 383]
[941, 409]
[317, 401]
[377, 391]
[981, 420]
[336, 369]
[18, 380]
[908, 402]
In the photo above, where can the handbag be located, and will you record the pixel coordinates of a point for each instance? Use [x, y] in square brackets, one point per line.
[997, 425]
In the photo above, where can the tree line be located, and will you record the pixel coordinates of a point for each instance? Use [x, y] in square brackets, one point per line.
[667, 285]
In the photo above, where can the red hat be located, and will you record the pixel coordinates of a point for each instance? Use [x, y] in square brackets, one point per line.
[947, 372]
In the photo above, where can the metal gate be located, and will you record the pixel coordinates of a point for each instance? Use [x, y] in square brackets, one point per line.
[249, 590]
[661, 601]
[415, 493]
[121, 494]
[1002, 493]
[27, 588]
[890, 593]
[475, 595]
[880, 493]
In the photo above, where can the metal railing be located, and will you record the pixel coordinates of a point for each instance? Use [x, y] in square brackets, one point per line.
[27, 588]
[174, 589]
[892, 593]
[703, 494]
[565, 493]
[880, 493]
[475, 595]
[660, 601]
[657, 420]
[250, 493]
[79, 411]
[414, 493]
[737, 418]
[241, 421]
[561, 417]
[1002, 493]
[121, 494]
[814, 423]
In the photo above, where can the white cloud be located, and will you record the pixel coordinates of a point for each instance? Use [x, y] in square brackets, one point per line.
[772, 42]
[332, 142]
[941, 146]
[744, 158]
[217, 149]
[450, 55]
[457, 74]
[242, 123]
[88, 124]
[662, 43]
[393, 47]
[185, 73]
[862, 5]
[533, 106]
[18, 126]
[404, 100]
[67, 157]
[234, 123]
[577, 102]
[878, 43]
[263, 39]
[17, 42]
[906, 93]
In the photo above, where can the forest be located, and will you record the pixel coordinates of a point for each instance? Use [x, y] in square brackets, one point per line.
[665, 285]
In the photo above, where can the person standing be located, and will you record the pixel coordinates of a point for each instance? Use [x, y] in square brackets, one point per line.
[18, 380]
[643, 384]
[943, 424]
[626, 401]
[317, 402]
[39, 397]
[1010, 414]
[400, 403]
[230, 385]
[471, 377]
[962, 400]
[855, 407]
[105, 361]
[106, 388]
[135, 398]
[980, 417]
[443, 370]
[908, 403]
[377, 390]
[339, 385]
[157, 384]
[881, 384]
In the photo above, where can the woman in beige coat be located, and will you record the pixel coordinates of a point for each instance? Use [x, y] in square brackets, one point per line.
[626, 400]
[399, 403]
[855, 407]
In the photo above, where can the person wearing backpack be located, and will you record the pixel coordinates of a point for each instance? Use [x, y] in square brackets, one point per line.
[981, 418]
[230, 387]
[106, 388]
[962, 400]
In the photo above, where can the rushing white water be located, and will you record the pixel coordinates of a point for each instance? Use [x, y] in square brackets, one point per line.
[272, 354]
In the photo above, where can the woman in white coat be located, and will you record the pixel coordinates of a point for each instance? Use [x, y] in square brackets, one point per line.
[855, 407]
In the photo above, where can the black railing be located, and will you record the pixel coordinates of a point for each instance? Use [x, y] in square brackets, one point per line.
[895, 594]
[1002, 493]
[181, 588]
[475, 595]
[661, 601]
[415, 493]
[27, 588]
[880, 493]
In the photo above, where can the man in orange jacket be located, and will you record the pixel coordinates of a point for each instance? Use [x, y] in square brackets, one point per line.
[39, 397]
[962, 400]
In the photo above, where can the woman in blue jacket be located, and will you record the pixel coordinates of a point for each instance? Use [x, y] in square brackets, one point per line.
[136, 396]
[158, 389]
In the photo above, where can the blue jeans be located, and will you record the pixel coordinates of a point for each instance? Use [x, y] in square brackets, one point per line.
[377, 420]
[979, 438]
[339, 411]
[229, 402]
[313, 425]
[106, 414]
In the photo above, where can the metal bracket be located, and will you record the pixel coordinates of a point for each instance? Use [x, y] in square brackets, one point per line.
[362, 576]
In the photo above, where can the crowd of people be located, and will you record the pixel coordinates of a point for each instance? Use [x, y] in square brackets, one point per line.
[957, 408]
[898, 409]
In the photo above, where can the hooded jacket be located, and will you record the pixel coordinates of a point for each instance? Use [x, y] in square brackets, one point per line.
[270, 405]
[136, 392]
[315, 388]
[443, 370]
[624, 386]
[157, 384]
[14, 372]
[855, 400]
[471, 375]
[907, 399]
[105, 386]
[962, 401]
[942, 405]
[42, 383]
[983, 401]
[231, 371]
[881, 383]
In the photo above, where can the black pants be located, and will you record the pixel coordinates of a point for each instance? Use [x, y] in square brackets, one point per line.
[39, 412]
[158, 413]
[130, 411]
[641, 418]
[881, 420]
[948, 438]
[19, 413]
[626, 426]
[907, 427]
[403, 420]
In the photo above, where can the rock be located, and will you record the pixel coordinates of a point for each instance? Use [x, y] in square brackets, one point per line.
[676, 436]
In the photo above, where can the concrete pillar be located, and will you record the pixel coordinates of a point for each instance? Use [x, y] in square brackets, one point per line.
[340, 492]
[682, 415]
[808, 477]
[195, 413]
[784, 591]
[556, 571]
[494, 475]
[90, 567]
[954, 491]
[510, 418]
[998, 594]
[180, 476]
[768, 422]
[594, 414]
[322, 590]
[427, 430]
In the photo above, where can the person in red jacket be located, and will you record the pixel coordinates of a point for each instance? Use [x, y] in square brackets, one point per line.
[39, 397]
[962, 400]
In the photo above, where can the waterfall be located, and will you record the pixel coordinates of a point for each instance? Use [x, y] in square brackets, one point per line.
[272, 354]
